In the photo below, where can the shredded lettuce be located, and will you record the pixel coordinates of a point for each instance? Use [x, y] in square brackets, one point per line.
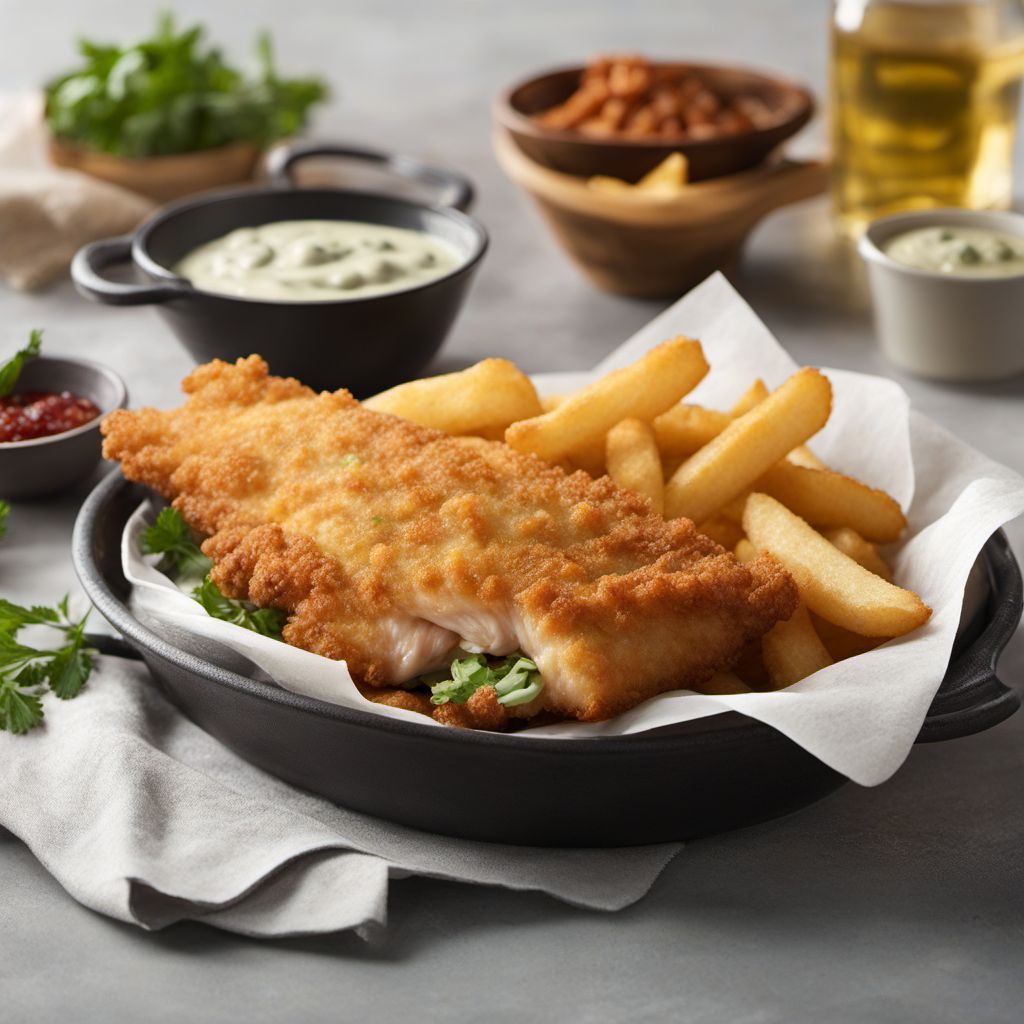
[515, 679]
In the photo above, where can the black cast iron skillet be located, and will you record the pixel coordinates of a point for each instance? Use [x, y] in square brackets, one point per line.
[365, 344]
[706, 776]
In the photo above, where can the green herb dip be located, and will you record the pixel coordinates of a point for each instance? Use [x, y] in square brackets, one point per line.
[961, 252]
[317, 261]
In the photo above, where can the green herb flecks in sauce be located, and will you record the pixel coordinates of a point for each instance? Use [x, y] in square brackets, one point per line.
[317, 261]
[964, 252]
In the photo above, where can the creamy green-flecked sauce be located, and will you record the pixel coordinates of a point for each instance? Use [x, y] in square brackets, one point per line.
[961, 252]
[317, 261]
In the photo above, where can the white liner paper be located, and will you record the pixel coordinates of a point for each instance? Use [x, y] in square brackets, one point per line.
[860, 716]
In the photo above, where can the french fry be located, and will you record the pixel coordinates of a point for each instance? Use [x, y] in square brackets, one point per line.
[666, 180]
[745, 551]
[488, 434]
[669, 464]
[633, 461]
[734, 509]
[863, 552]
[589, 457]
[758, 392]
[609, 185]
[491, 394]
[671, 173]
[831, 583]
[643, 390]
[722, 531]
[754, 395]
[793, 651]
[827, 499]
[723, 683]
[842, 643]
[685, 429]
[801, 455]
[749, 446]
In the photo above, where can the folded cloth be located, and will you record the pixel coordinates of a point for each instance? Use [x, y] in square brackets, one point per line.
[46, 213]
[142, 816]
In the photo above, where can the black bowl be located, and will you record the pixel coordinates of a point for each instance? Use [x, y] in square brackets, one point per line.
[365, 344]
[46, 465]
[706, 776]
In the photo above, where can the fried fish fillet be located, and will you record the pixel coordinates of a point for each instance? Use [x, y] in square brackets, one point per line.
[389, 544]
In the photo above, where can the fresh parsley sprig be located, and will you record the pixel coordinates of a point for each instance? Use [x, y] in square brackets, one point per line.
[265, 621]
[11, 370]
[5, 511]
[171, 537]
[515, 679]
[174, 93]
[27, 673]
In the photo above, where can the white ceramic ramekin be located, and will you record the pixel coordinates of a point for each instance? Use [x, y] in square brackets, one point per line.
[940, 325]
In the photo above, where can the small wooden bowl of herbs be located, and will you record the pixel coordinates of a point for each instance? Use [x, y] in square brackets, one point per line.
[168, 116]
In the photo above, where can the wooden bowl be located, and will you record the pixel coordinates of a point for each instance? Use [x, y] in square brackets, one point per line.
[791, 104]
[162, 178]
[654, 246]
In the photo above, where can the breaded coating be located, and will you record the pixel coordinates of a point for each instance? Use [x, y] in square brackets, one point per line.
[387, 543]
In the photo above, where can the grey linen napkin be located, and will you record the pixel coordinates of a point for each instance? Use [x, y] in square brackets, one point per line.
[142, 816]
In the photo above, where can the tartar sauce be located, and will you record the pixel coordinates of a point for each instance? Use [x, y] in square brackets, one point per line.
[317, 261]
[963, 252]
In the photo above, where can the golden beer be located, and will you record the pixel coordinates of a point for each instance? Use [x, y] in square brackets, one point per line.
[924, 105]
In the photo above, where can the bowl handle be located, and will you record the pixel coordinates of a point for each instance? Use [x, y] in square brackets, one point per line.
[454, 190]
[92, 259]
[972, 697]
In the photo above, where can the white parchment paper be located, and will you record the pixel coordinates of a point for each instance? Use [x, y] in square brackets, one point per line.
[860, 716]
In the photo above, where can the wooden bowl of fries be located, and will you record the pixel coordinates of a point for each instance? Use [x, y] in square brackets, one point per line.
[612, 123]
[659, 237]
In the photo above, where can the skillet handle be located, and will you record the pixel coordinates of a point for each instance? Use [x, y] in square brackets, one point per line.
[454, 190]
[87, 272]
[113, 646]
[972, 696]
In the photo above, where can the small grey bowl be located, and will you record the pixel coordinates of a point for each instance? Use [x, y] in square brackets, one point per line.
[944, 326]
[45, 465]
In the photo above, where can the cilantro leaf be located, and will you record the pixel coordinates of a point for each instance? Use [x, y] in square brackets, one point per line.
[515, 679]
[11, 370]
[265, 621]
[5, 510]
[171, 537]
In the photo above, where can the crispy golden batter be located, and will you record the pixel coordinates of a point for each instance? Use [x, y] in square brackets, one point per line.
[386, 543]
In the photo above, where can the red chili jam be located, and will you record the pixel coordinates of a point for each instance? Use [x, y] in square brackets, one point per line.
[31, 414]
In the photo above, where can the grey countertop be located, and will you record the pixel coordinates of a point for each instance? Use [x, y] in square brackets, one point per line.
[901, 903]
